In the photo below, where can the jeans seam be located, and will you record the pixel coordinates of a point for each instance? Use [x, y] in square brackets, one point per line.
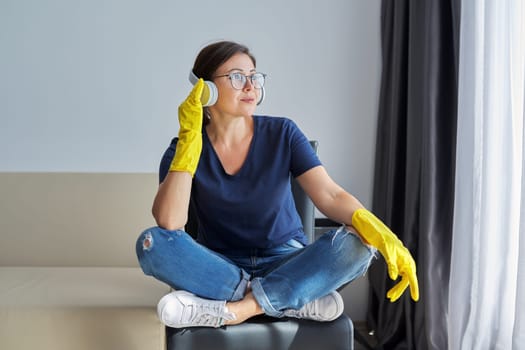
[239, 292]
[262, 298]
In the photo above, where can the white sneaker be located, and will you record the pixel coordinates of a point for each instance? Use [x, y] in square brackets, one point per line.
[180, 309]
[324, 309]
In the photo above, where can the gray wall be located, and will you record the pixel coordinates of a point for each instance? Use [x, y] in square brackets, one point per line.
[93, 86]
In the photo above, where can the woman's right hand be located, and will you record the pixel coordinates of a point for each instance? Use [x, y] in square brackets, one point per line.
[189, 145]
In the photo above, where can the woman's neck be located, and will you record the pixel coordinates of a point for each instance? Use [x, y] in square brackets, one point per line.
[231, 139]
[229, 131]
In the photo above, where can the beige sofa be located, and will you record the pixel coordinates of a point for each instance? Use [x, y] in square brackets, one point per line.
[69, 278]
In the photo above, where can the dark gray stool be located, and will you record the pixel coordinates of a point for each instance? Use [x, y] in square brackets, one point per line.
[265, 333]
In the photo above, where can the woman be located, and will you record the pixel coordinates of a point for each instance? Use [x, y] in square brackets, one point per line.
[250, 256]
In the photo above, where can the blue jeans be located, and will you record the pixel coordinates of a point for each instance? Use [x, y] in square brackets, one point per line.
[284, 277]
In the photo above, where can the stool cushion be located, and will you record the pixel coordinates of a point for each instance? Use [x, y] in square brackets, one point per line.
[264, 333]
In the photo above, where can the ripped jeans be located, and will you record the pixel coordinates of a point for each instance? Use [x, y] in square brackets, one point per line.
[284, 277]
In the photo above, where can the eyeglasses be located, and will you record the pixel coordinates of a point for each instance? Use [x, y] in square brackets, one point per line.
[238, 80]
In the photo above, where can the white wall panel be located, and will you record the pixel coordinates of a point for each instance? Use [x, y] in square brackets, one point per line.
[93, 86]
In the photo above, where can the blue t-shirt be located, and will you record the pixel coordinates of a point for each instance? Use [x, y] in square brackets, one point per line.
[253, 208]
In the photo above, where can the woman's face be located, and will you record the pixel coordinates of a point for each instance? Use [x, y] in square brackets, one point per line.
[230, 100]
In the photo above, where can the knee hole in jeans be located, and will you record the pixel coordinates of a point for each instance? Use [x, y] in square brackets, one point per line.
[147, 242]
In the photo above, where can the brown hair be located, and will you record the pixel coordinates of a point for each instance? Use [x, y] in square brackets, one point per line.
[214, 55]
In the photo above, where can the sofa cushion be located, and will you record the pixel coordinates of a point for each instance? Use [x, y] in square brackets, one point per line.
[78, 286]
[74, 219]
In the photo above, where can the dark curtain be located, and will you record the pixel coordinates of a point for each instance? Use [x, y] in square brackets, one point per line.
[415, 165]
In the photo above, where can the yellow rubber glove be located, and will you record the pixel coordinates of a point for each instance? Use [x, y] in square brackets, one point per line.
[397, 256]
[189, 146]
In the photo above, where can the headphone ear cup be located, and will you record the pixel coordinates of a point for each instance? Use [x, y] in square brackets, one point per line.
[212, 96]
[210, 93]
[261, 98]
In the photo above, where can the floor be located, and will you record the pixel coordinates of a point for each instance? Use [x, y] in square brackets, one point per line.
[362, 339]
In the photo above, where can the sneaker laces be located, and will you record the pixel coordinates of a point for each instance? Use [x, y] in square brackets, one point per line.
[309, 310]
[327, 308]
[208, 314]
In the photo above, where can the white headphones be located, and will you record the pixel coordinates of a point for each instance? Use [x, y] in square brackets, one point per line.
[213, 94]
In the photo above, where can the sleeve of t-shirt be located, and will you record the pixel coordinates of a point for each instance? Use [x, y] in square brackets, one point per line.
[303, 156]
[167, 157]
